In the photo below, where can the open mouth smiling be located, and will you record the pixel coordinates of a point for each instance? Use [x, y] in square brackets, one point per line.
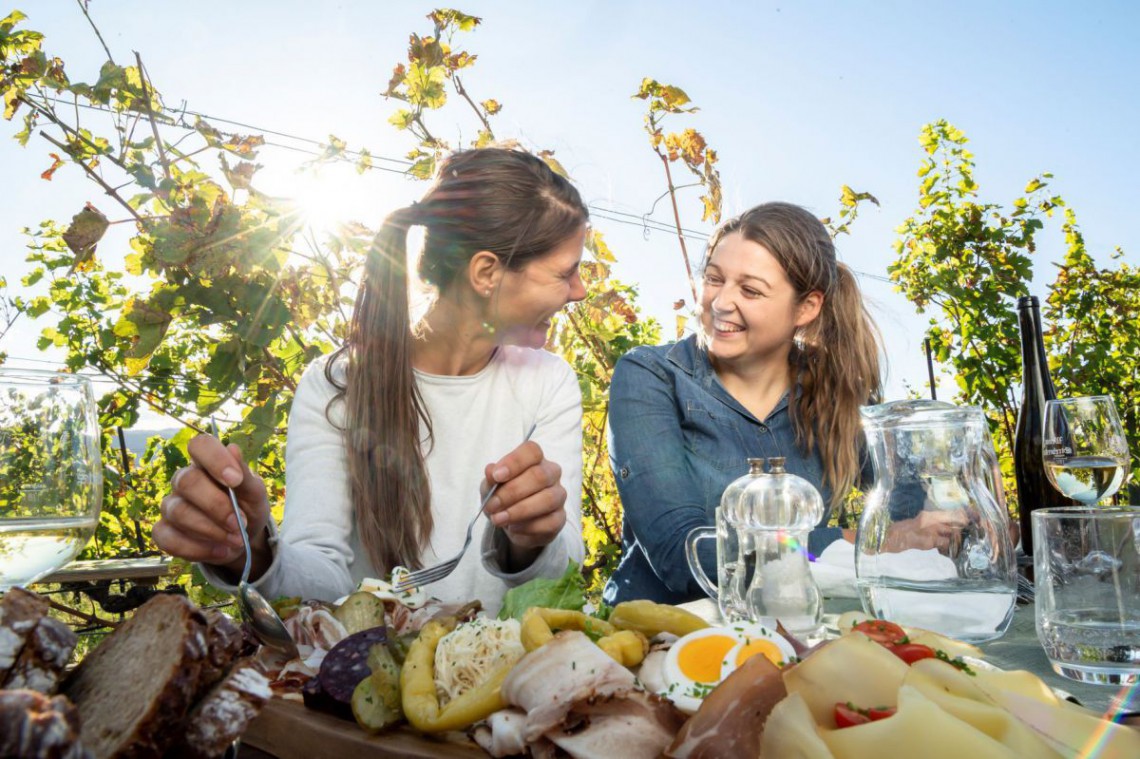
[721, 326]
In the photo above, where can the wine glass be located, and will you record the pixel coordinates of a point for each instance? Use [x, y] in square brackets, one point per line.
[1086, 454]
[51, 476]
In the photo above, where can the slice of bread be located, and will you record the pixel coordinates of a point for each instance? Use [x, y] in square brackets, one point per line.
[134, 690]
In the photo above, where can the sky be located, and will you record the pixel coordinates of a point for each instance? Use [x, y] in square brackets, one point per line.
[797, 98]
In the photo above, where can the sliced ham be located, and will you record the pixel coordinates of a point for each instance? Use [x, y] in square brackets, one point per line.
[579, 700]
[316, 628]
[632, 725]
[570, 668]
[731, 720]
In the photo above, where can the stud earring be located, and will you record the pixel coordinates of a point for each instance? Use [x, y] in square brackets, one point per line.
[487, 294]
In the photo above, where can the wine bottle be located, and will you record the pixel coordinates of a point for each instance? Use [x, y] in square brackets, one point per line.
[1034, 490]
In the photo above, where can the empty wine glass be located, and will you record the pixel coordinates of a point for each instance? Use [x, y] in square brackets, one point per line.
[1085, 451]
[51, 476]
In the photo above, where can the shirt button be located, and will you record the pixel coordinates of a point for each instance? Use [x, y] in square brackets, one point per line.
[624, 472]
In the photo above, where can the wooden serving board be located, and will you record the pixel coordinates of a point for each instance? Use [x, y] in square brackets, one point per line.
[287, 730]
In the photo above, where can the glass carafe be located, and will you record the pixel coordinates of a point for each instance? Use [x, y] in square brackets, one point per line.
[728, 590]
[934, 548]
[776, 514]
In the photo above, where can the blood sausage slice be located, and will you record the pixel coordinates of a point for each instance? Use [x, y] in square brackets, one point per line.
[347, 663]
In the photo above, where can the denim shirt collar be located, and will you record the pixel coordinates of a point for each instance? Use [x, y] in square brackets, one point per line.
[689, 357]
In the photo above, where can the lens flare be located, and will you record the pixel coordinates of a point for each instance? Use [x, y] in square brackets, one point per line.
[789, 540]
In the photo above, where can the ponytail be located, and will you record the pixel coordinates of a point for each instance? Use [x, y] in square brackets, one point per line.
[390, 490]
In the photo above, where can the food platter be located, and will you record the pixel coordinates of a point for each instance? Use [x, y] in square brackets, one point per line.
[288, 730]
[873, 681]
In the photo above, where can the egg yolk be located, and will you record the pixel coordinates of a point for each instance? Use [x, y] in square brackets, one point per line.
[760, 646]
[700, 659]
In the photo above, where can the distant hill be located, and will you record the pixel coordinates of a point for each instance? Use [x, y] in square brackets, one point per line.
[136, 438]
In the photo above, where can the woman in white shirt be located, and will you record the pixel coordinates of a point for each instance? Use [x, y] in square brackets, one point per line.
[393, 437]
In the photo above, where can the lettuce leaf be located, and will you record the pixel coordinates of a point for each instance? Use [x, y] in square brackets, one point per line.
[567, 592]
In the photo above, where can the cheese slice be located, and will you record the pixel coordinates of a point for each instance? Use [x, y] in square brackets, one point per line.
[920, 728]
[951, 690]
[942, 643]
[1072, 732]
[852, 668]
[790, 732]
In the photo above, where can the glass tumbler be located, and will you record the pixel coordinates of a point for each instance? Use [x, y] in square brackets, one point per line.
[1086, 562]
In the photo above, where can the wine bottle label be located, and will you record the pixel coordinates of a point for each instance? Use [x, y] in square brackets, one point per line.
[1056, 447]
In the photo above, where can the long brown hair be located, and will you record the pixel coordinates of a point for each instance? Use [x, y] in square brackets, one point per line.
[835, 359]
[504, 201]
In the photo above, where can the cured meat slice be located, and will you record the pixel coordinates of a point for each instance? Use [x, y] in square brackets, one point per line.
[587, 705]
[731, 719]
[632, 725]
[548, 680]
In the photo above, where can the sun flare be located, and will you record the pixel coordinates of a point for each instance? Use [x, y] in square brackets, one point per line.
[329, 199]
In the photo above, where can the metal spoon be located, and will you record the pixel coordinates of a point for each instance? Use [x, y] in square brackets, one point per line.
[263, 620]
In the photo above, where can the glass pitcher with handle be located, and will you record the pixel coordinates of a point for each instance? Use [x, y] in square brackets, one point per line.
[934, 547]
[729, 589]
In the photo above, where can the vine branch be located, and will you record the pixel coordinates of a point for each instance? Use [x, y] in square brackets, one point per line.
[83, 7]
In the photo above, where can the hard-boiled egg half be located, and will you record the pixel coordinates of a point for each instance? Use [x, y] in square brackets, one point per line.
[698, 661]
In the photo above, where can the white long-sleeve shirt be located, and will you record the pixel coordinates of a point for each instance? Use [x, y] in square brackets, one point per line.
[476, 420]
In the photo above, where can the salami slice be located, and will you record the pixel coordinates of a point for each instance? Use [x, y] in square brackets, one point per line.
[347, 663]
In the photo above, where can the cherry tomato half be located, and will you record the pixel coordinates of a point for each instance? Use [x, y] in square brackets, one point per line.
[847, 716]
[881, 631]
[912, 652]
[881, 712]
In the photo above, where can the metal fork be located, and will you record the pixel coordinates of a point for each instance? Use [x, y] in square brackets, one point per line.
[428, 575]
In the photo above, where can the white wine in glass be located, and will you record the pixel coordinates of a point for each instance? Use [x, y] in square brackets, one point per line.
[51, 474]
[1085, 451]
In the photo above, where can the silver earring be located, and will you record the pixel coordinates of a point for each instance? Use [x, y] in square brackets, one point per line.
[487, 294]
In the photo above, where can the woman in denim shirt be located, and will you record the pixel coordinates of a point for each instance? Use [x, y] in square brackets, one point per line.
[785, 355]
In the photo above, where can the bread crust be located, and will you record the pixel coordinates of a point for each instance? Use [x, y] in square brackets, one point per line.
[224, 643]
[134, 690]
[224, 713]
[47, 650]
[20, 612]
[36, 725]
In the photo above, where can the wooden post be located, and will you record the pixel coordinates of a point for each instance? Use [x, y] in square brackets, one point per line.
[930, 370]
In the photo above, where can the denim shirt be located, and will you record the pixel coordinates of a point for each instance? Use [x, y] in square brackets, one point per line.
[677, 439]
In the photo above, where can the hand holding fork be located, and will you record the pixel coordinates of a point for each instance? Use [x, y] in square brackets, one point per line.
[435, 573]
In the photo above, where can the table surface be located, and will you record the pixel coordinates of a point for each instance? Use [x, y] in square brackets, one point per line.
[148, 568]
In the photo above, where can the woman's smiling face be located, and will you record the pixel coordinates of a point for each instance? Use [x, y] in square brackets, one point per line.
[749, 309]
[529, 298]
